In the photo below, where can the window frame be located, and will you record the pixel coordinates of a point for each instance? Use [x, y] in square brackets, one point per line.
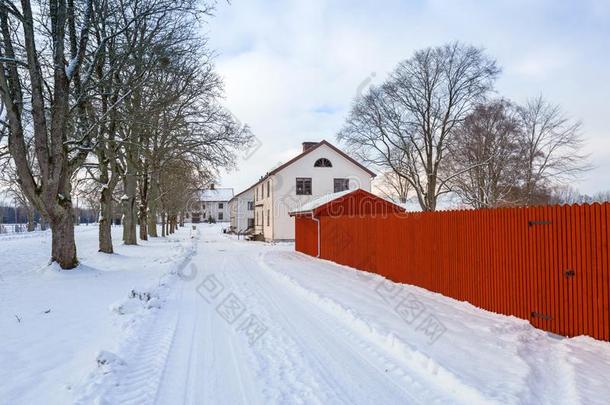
[345, 184]
[324, 162]
[302, 188]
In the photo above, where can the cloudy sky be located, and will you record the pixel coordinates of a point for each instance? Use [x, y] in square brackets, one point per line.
[292, 67]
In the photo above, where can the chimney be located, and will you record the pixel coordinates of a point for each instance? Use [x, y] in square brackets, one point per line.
[212, 186]
[308, 145]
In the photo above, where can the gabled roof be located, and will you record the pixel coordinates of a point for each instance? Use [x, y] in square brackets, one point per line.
[348, 202]
[216, 194]
[243, 192]
[311, 149]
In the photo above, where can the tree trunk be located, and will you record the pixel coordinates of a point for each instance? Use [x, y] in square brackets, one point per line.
[152, 223]
[430, 194]
[143, 208]
[105, 227]
[31, 224]
[63, 249]
[163, 224]
[152, 205]
[130, 216]
[143, 219]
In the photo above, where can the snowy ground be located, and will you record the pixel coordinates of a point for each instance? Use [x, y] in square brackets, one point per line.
[244, 322]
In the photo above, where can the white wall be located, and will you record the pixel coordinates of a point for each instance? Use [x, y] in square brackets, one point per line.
[263, 196]
[284, 186]
[212, 208]
[239, 212]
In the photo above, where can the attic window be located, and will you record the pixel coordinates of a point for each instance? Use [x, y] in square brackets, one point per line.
[323, 162]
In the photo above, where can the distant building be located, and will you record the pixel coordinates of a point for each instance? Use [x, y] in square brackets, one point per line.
[320, 169]
[213, 204]
[241, 211]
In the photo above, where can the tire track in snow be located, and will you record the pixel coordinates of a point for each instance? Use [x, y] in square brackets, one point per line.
[205, 365]
[282, 365]
[429, 374]
[137, 381]
[332, 348]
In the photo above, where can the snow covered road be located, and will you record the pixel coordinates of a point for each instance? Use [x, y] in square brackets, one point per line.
[256, 323]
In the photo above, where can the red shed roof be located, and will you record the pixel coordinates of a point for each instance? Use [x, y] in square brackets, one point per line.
[349, 202]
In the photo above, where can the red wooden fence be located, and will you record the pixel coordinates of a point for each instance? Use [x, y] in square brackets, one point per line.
[549, 265]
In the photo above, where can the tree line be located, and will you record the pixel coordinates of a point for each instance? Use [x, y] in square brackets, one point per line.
[436, 126]
[116, 100]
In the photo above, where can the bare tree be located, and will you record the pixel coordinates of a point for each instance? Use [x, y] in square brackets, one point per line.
[551, 149]
[174, 116]
[566, 194]
[406, 124]
[26, 70]
[486, 156]
[394, 187]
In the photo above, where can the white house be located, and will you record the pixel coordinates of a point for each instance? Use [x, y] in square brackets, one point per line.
[320, 169]
[241, 210]
[213, 204]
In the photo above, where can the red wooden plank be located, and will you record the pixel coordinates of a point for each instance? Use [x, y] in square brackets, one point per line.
[569, 265]
[549, 269]
[559, 268]
[587, 285]
[598, 307]
[605, 236]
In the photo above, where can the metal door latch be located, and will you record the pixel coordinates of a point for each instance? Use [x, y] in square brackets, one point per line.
[532, 223]
[541, 316]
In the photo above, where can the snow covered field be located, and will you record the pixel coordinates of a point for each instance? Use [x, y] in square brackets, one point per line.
[212, 319]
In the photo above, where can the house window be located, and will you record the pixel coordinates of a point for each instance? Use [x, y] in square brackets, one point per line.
[220, 206]
[341, 185]
[220, 216]
[303, 185]
[322, 162]
[268, 215]
[250, 222]
[268, 187]
[250, 205]
[257, 193]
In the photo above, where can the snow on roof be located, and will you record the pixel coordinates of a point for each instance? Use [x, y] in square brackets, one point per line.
[320, 201]
[216, 194]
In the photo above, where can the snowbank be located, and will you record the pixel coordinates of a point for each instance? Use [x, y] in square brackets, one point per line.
[61, 330]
